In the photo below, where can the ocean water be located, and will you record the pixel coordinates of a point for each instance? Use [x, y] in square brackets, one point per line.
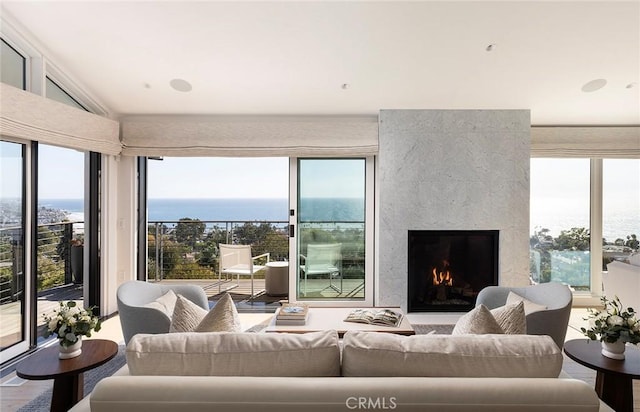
[203, 209]
[617, 225]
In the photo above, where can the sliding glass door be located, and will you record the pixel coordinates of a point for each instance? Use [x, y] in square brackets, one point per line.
[14, 285]
[331, 217]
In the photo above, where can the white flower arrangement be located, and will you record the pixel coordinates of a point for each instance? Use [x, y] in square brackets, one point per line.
[613, 323]
[69, 322]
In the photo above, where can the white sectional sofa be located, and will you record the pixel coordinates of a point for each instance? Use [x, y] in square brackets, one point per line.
[317, 372]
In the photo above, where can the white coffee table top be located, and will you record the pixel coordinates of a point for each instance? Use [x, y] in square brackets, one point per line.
[333, 318]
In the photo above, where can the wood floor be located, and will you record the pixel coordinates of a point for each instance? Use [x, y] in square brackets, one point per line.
[13, 397]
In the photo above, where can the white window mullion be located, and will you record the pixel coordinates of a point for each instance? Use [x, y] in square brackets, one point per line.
[596, 227]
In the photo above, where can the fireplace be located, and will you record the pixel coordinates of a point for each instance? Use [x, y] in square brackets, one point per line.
[447, 268]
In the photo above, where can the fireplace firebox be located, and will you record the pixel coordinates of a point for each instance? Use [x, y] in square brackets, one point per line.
[447, 268]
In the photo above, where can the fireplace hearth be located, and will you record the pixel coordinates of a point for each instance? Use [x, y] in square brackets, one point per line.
[447, 268]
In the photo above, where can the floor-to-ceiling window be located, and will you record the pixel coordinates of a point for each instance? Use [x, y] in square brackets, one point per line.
[13, 300]
[196, 204]
[565, 199]
[560, 240]
[61, 235]
[332, 216]
[39, 257]
[15, 296]
[620, 209]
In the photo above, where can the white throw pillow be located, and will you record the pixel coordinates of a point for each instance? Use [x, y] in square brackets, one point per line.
[165, 303]
[222, 318]
[529, 306]
[189, 317]
[511, 318]
[478, 321]
[186, 315]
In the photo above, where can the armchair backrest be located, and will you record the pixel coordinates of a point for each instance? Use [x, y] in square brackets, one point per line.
[323, 255]
[233, 255]
[555, 296]
[135, 318]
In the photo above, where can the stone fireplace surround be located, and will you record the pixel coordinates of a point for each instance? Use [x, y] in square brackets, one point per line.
[451, 170]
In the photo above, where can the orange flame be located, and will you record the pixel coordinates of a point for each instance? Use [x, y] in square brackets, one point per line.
[442, 277]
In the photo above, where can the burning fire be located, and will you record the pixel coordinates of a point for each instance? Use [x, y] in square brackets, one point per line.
[442, 277]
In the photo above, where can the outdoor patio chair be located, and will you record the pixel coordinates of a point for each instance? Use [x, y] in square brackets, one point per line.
[135, 318]
[552, 321]
[322, 259]
[237, 260]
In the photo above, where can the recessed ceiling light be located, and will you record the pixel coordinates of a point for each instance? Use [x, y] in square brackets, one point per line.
[180, 85]
[344, 86]
[490, 47]
[594, 85]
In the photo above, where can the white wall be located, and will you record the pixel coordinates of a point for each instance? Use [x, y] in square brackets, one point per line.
[451, 169]
[118, 253]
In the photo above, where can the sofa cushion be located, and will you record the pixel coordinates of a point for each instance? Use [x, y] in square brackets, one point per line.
[511, 318]
[477, 321]
[238, 354]
[386, 354]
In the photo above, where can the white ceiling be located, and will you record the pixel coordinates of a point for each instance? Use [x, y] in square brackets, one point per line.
[294, 57]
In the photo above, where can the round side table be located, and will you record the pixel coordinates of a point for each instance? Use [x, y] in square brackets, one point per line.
[614, 378]
[277, 279]
[67, 374]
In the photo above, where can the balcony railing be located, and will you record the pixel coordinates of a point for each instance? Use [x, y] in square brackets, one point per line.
[188, 249]
[54, 256]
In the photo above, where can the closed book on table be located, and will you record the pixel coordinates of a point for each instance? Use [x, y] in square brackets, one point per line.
[291, 322]
[293, 311]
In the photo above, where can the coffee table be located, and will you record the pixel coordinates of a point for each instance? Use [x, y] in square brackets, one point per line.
[333, 319]
[613, 377]
[67, 374]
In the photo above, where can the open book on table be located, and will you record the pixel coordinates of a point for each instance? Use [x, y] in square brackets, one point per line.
[384, 317]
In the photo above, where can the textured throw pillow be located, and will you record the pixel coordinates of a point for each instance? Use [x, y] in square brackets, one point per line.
[186, 315]
[529, 307]
[478, 321]
[511, 318]
[165, 303]
[222, 318]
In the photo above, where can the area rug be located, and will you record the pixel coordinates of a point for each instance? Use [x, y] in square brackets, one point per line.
[42, 402]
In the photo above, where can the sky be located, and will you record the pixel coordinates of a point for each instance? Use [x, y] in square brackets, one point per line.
[220, 177]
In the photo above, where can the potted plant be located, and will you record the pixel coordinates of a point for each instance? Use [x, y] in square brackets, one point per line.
[613, 326]
[70, 323]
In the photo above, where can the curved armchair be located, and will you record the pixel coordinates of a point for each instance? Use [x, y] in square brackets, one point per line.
[555, 296]
[135, 318]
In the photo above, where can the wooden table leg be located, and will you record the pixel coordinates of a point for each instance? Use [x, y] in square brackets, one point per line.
[615, 390]
[67, 391]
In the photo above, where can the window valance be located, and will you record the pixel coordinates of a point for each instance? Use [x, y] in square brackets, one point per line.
[586, 141]
[28, 116]
[240, 136]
